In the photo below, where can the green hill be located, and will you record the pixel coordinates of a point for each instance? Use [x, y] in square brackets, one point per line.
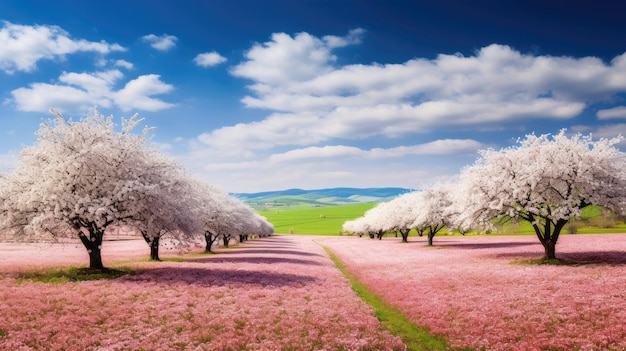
[294, 198]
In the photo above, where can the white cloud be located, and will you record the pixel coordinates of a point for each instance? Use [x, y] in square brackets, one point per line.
[136, 94]
[287, 59]
[330, 166]
[124, 64]
[209, 59]
[334, 152]
[162, 43]
[611, 113]
[603, 131]
[23, 46]
[438, 147]
[79, 91]
[320, 101]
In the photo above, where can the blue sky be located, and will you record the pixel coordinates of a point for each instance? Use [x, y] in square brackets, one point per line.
[268, 95]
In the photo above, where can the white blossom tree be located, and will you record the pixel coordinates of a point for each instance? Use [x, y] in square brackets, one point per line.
[433, 210]
[79, 178]
[402, 213]
[168, 209]
[545, 180]
[213, 211]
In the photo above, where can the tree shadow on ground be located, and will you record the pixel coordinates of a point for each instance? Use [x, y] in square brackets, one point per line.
[595, 257]
[263, 246]
[256, 260]
[573, 258]
[485, 245]
[244, 250]
[218, 277]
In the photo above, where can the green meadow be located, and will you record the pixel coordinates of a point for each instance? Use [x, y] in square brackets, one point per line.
[328, 221]
[312, 220]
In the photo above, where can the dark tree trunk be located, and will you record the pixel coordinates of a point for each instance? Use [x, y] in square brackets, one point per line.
[93, 244]
[154, 245]
[549, 250]
[405, 234]
[549, 236]
[226, 240]
[209, 238]
[154, 249]
[380, 234]
[432, 230]
[420, 232]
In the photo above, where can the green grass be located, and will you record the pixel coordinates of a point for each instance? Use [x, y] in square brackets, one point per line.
[594, 220]
[416, 338]
[328, 221]
[72, 274]
[313, 220]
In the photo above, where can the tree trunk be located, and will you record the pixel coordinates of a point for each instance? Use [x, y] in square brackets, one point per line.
[154, 249]
[549, 250]
[226, 240]
[431, 235]
[405, 235]
[208, 237]
[550, 236]
[93, 244]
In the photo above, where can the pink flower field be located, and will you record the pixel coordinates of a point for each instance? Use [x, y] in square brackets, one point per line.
[468, 290]
[284, 293]
[277, 293]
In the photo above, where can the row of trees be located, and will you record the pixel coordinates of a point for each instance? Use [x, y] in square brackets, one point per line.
[82, 177]
[545, 180]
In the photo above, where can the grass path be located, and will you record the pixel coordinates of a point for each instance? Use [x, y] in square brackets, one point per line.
[416, 338]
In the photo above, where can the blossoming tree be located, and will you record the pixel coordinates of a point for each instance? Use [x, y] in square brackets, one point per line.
[545, 180]
[432, 210]
[168, 209]
[79, 178]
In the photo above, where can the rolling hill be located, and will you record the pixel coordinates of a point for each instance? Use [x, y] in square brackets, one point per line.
[319, 197]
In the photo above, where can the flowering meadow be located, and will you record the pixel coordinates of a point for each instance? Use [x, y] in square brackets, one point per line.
[275, 293]
[475, 292]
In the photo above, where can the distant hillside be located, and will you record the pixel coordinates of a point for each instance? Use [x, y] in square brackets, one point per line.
[320, 197]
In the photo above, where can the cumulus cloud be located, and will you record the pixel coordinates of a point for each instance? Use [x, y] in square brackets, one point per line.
[287, 59]
[162, 43]
[124, 64]
[611, 113]
[137, 93]
[438, 147]
[602, 131]
[23, 46]
[78, 91]
[209, 59]
[315, 100]
[339, 165]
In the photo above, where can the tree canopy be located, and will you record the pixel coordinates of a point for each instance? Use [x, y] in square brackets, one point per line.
[81, 177]
[545, 180]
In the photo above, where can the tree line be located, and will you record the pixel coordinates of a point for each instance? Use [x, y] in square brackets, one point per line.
[81, 177]
[545, 180]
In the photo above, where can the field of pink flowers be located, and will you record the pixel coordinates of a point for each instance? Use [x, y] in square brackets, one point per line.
[277, 293]
[468, 290]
